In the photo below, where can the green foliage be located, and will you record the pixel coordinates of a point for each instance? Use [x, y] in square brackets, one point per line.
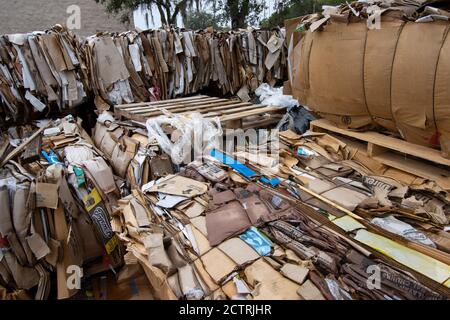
[241, 13]
[197, 20]
[117, 6]
[123, 8]
[295, 8]
[168, 9]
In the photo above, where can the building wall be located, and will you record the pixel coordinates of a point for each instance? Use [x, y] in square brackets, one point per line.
[19, 16]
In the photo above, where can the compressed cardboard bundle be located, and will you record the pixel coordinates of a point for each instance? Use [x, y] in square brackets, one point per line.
[40, 71]
[55, 211]
[166, 63]
[132, 154]
[359, 75]
[55, 70]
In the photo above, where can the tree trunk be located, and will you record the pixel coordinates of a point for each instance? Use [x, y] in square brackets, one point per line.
[179, 8]
[238, 11]
[169, 16]
[159, 5]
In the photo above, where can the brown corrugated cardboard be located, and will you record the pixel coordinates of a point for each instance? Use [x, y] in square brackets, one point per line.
[336, 72]
[395, 76]
[413, 75]
[378, 59]
[442, 97]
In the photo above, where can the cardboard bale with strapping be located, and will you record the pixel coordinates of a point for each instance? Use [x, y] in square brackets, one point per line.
[396, 76]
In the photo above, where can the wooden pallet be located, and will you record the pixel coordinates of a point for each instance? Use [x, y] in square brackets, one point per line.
[416, 159]
[232, 113]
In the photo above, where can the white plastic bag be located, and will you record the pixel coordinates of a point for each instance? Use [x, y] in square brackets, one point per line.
[274, 97]
[196, 133]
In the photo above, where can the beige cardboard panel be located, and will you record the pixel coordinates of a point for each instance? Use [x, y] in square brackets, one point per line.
[298, 73]
[305, 52]
[272, 285]
[205, 277]
[200, 224]
[378, 59]
[336, 70]
[442, 97]
[102, 174]
[239, 251]
[310, 292]
[107, 57]
[291, 25]
[180, 186]
[202, 241]
[46, 195]
[217, 264]
[300, 68]
[54, 51]
[413, 78]
[345, 121]
[294, 272]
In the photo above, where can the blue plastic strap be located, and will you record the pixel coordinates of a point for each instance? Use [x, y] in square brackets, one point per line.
[241, 168]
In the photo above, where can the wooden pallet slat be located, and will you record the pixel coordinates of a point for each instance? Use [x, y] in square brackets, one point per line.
[199, 107]
[172, 105]
[419, 160]
[136, 104]
[168, 107]
[249, 113]
[382, 141]
[231, 112]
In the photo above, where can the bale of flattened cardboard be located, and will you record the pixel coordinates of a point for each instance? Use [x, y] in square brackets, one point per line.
[57, 194]
[394, 76]
[56, 71]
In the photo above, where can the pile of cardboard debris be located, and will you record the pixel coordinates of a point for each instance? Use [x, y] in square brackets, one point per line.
[152, 205]
[317, 224]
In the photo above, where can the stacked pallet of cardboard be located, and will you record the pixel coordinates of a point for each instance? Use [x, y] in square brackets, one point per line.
[381, 63]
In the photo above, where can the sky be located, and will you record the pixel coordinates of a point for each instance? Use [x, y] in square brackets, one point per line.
[140, 21]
